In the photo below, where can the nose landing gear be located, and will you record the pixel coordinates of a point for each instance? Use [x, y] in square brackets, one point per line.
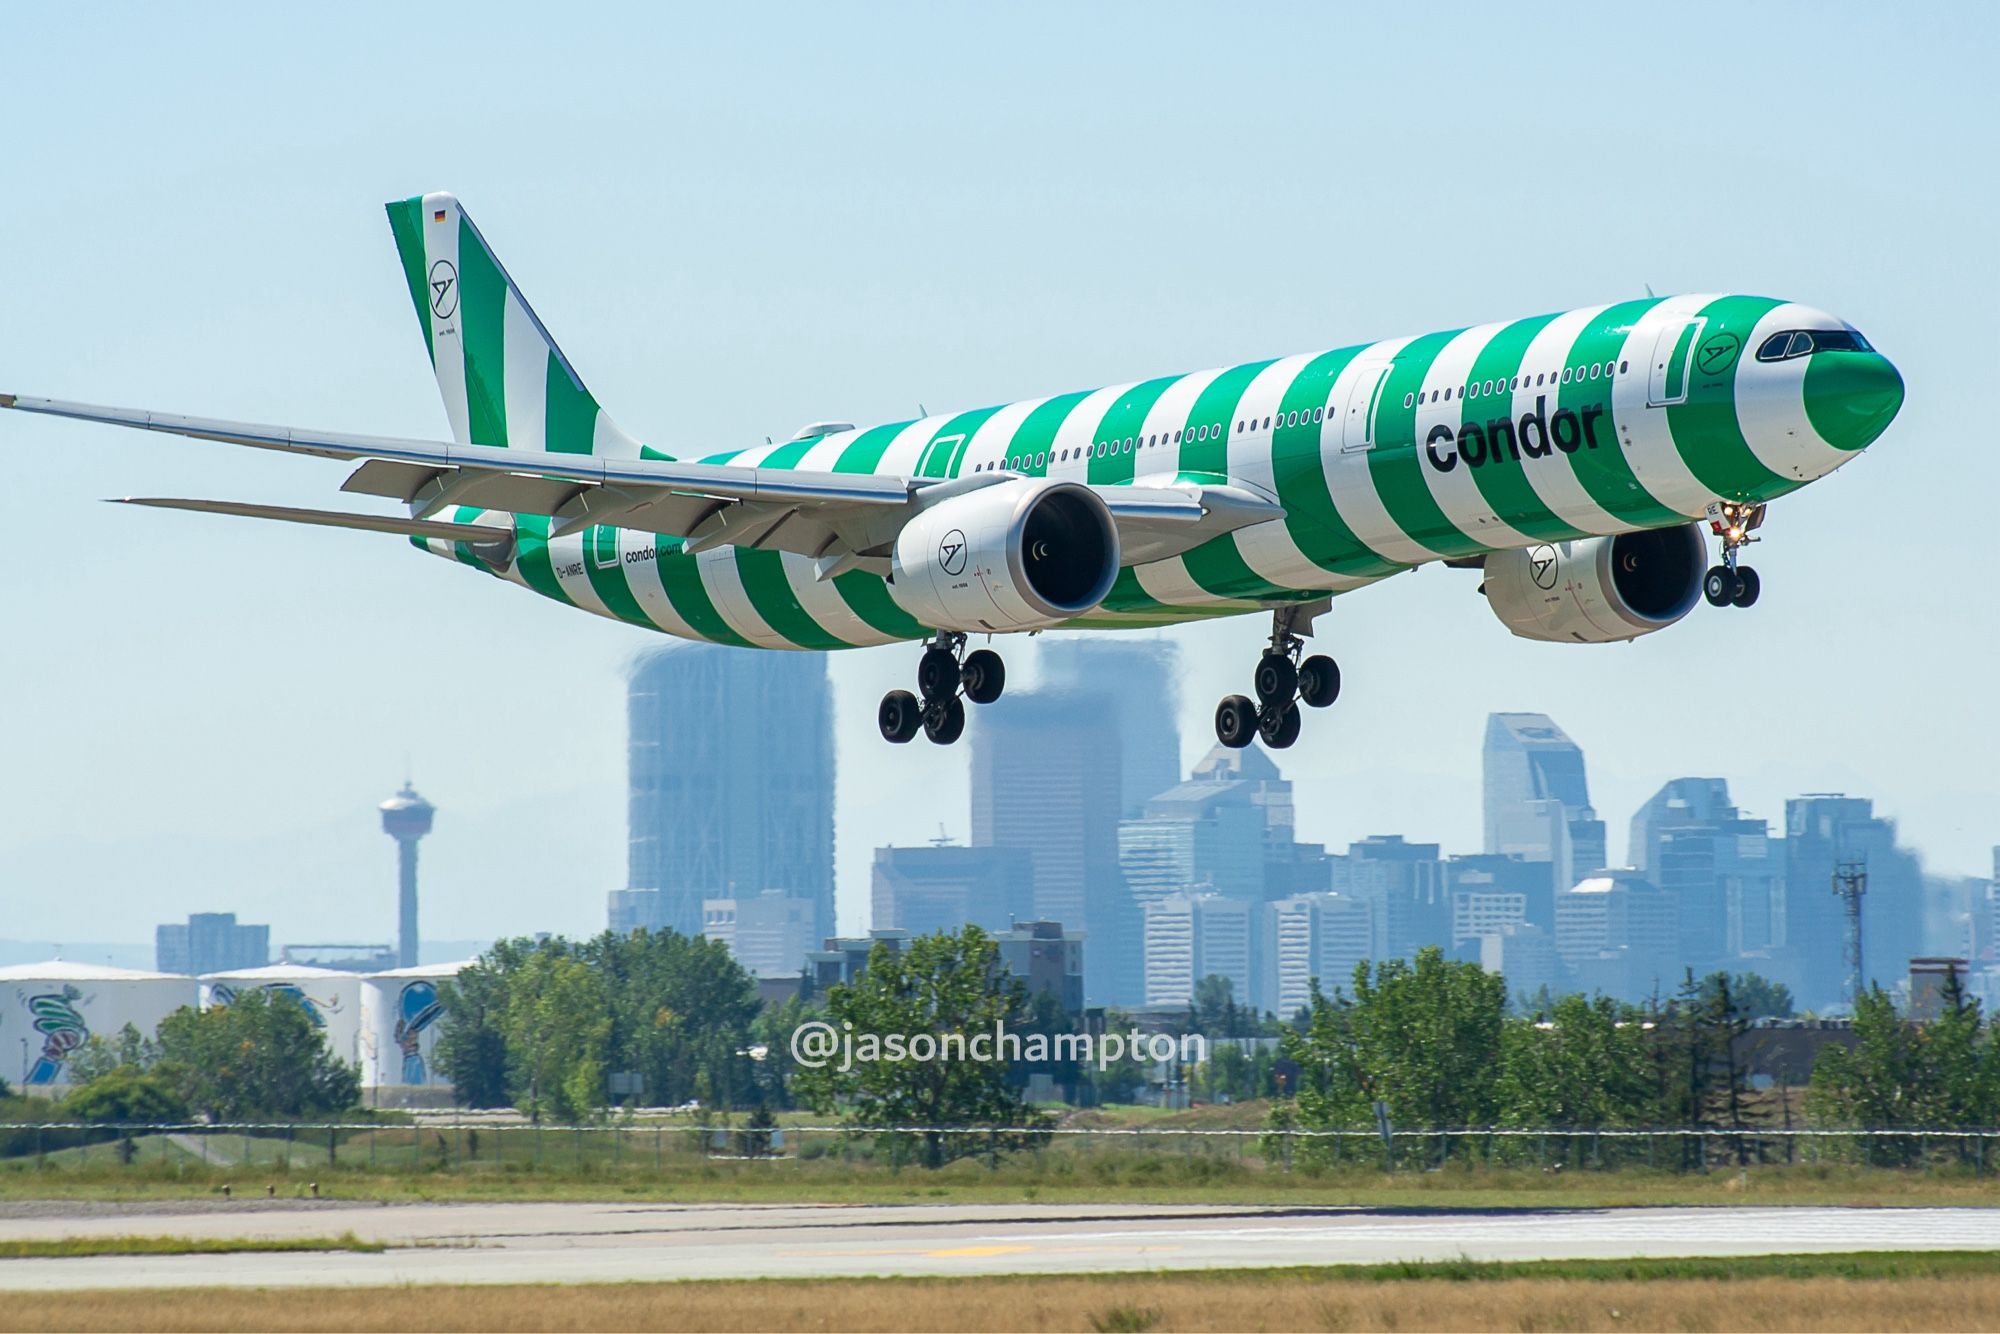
[1731, 584]
[1282, 683]
[945, 680]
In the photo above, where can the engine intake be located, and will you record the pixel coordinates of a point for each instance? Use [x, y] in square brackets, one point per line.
[1598, 590]
[1017, 555]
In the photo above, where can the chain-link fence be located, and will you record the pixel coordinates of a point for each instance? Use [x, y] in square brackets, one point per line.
[506, 1147]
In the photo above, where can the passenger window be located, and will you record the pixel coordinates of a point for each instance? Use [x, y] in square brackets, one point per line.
[1319, 414]
[1624, 366]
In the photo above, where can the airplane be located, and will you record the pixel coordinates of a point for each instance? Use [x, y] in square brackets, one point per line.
[1574, 459]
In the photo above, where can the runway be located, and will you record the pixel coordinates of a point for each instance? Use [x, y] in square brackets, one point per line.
[622, 1242]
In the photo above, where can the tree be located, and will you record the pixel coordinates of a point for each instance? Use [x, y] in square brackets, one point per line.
[896, 1012]
[128, 1095]
[128, 1048]
[258, 1056]
[1755, 996]
[471, 1046]
[1423, 1037]
[557, 1026]
[1215, 1012]
[681, 1010]
[1582, 1066]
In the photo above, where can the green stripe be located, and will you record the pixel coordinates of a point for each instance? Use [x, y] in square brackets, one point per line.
[864, 452]
[771, 595]
[571, 423]
[1396, 465]
[1127, 595]
[1125, 418]
[537, 568]
[482, 332]
[681, 578]
[1605, 472]
[1503, 478]
[1218, 567]
[1034, 435]
[868, 597]
[406, 221]
[1315, 525]
[1706, 430]
[610, 584]
[788, 454]
[947, 444]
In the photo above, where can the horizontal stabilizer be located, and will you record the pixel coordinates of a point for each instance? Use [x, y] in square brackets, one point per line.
[477, 534]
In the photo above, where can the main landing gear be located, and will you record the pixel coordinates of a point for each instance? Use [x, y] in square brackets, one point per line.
[947, 676]
[1282, 683]
[1730, 584]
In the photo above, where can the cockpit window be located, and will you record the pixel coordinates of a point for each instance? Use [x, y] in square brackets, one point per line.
[1798, 342]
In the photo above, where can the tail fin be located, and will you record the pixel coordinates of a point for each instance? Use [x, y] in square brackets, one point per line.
[504, 380]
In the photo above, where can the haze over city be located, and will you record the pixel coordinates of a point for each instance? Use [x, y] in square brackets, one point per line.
[206, 712]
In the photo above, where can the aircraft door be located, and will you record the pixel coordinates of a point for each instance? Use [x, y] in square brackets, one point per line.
[1364, 394]
[1673, 349]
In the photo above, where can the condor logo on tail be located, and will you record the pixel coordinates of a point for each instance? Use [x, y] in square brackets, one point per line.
[1536, 435]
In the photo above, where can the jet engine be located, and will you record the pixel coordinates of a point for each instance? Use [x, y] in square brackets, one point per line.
[1598, 590]
[1016, 555]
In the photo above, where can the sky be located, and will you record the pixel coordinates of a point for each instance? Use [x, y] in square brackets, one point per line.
[739, 219]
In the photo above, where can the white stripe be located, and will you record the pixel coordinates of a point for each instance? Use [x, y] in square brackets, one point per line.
[1170, 413]
[607, 441]
[527, 377]
[901, 457]
[1079, 429]
[823, 602]
[1457, 492]
[823, 455]
[989, 443]
[1553, 477]
[649, 590]
[1348, 479]
[1643, 431]
[1771, 400]
[1268, 548]
[717, 570]
[447, 347]
[567, 553]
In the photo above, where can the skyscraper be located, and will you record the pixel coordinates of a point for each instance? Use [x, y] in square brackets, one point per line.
[1537, 800]
[731, 784]
[1217, 831]
[1046, 780]
[770, 934]
[1404, 884]
[210, 942]
[1141, 678]
[1821, 830]
[1192, 936]
[1311, 936]
[1723, 871]
[943, 887]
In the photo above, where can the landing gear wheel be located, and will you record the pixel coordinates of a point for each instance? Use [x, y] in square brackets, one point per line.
[1235, 721]
[944, 720]
[1276, 679]
[1748, 585]
[984, 675]
[1279, 726]
[937, 674]
[900, 716]
[1721, 586]
[1319, 681]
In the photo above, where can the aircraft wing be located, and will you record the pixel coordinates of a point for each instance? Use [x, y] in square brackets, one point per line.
[843, 520]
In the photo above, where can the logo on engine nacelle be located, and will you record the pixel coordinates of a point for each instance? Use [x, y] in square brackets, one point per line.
[1542, 566]
[951, 552]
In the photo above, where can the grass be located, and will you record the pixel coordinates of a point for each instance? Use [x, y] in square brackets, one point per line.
[64, 1248]
[1867, 1291]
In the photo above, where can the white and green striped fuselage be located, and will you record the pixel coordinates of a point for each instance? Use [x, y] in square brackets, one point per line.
[1636, 415]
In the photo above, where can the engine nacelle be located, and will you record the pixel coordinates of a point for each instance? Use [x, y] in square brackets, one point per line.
[1017, 555]
[1598, 590]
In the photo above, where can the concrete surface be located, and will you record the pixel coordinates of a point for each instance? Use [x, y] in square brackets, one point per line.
[612, 1242]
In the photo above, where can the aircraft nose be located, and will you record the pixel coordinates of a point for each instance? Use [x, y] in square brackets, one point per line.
[1851, 397]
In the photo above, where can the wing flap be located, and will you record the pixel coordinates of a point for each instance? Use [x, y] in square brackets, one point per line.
[482, 535]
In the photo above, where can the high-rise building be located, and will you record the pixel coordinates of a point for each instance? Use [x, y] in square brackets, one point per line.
[1489, 891]
[1405, 884]
[1308, 938]
[1141, 679]
[1537, 800]
[731, 784]
[1618, 933]
[1823, 830]
[770, 934]
[1525, 956]
[1219, 831]
[1047, 958]
[210, 942]
[1193, 936]
[406, 817]
[944, 886]
[1045, 780]
[1723, 870]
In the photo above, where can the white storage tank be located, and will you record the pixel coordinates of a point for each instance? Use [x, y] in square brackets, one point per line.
[48, 1010]
[331, 998]
[401, 1016]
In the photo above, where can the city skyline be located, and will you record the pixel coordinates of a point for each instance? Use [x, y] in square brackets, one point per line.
[257, 696]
